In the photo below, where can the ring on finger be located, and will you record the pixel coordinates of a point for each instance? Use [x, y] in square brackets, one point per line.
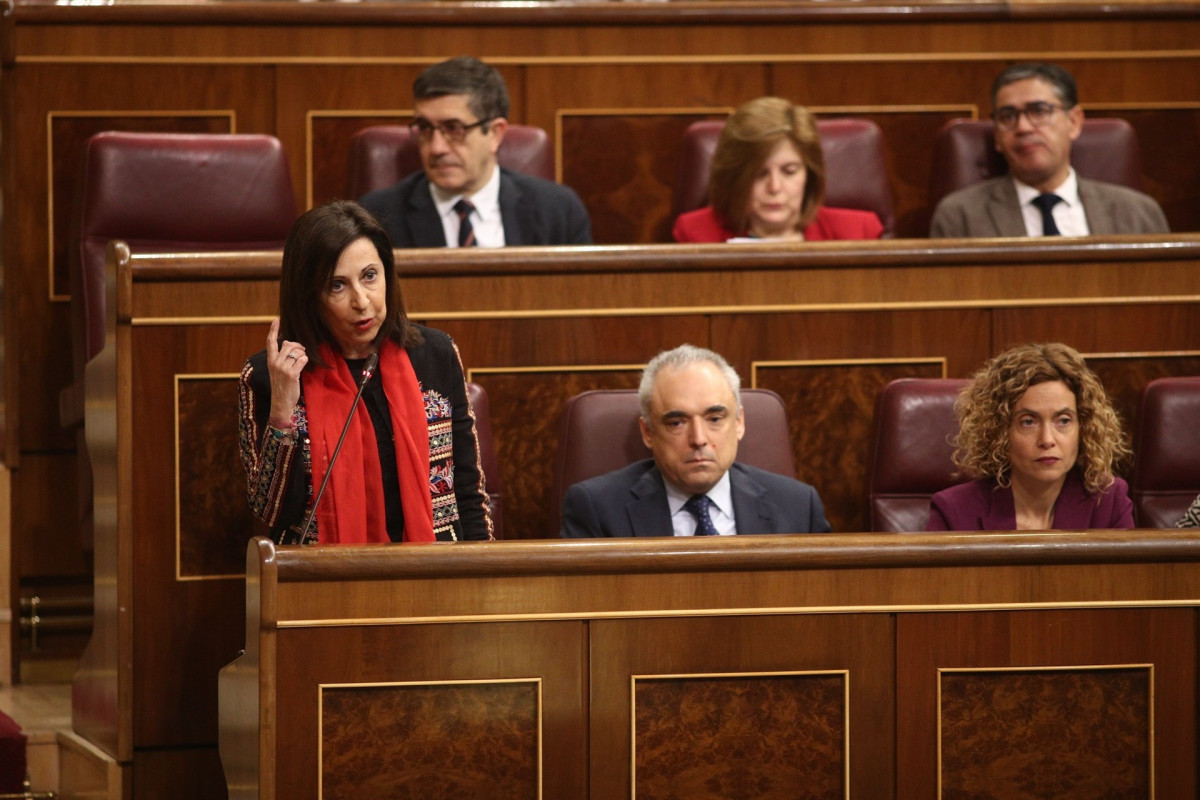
[292, 354]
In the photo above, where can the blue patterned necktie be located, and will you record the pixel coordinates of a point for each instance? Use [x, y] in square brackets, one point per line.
[697, 505]
[1046, 204]
[466, 233]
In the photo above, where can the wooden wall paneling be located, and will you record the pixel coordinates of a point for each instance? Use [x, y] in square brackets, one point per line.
[1083, 731]
[187, 774]
[1169, 139]
[327, 163]
[619, 126]
[908, 136]
[188, 622]
[458, 664]
[927, 644]
[626, 652]
[1125, 375]
[831, 408]
[1101, 328]
[624, 165]
[709, 735]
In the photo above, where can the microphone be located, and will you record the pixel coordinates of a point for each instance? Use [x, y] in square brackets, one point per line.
[368, 371]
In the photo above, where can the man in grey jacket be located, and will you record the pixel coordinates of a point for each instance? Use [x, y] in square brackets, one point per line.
[1037, 117]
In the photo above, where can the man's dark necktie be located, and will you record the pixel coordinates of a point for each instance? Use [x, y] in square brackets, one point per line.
[697, 505]
[1046, 203]
[466, 233]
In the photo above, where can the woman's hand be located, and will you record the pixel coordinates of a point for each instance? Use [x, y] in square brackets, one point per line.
[285, 362]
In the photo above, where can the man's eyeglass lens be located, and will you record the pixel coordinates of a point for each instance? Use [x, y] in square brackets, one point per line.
[451, 130]
[1037, 113]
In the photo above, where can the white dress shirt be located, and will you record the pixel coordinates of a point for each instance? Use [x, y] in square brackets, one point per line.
[1068, 215]
[720, 511]
[485, 219]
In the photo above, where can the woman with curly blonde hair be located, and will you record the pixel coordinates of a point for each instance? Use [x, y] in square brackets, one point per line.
[1040, 437]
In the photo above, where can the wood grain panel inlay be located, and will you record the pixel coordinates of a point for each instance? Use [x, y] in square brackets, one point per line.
[740, 737]
[831, 408]
[1169, 139]
[431, 742]
[526, 407]
[1125, 376]
[329, 151]
[623, 167]
[1079, 733]
[214, 521]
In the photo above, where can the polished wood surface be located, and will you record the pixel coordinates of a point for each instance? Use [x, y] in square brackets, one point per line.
[172, 524]
[612, 82]
[861, 629]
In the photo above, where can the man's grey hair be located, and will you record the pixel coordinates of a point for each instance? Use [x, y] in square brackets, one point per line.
[1059, 79]
[685, 355]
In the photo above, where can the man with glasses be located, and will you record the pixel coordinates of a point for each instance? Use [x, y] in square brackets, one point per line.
[1037, 117]
[462, 197]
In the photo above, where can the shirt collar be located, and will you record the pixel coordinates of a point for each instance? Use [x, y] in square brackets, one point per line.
[1068, 190]
[721, 496]
[486, 200]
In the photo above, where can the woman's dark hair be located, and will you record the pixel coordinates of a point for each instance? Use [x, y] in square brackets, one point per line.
[750, 136]
[310, 256]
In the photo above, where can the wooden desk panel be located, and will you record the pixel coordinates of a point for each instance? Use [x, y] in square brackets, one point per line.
[170, 503]
[867, 629]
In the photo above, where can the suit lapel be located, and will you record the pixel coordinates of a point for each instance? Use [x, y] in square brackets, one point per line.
[1001, 514]
[1004, 210]
[514, 212]
[1100, 218]
[647, 510]
[1074, 507]
[421, 217]
[752, 513]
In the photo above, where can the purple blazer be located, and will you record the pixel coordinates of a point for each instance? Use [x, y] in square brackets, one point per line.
[982, 506]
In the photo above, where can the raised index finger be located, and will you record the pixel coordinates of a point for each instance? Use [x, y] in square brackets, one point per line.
[273, 338]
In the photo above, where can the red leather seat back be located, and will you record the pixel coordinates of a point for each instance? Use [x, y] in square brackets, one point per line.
[911, 454]
[383, 155]
[599, 433]
[1166, 472]
[174, 192]
[965, 153]
[855, 169]
[487, 453]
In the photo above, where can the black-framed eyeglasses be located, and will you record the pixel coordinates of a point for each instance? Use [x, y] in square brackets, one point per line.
[1038, 113]
[452, 130]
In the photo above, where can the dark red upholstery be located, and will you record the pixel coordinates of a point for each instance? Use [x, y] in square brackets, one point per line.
[487, 452]
[855, 170]
[911, 454]
[174, 192]
[965, 153]
[599, 433]
[12, 756]
[1166, 473]
[165, 192]
[383, 155]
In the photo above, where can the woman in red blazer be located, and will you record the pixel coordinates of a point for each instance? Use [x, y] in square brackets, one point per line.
[768, 182]
[1040, 437]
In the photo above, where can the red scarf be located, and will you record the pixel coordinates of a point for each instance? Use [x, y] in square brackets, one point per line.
[352, 510]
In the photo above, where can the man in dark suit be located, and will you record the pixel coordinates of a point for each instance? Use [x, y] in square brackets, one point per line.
[692, 421]
[1037, 117]
[463, 197]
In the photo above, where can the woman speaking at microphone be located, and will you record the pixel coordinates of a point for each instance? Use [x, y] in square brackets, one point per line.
[408, 469]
